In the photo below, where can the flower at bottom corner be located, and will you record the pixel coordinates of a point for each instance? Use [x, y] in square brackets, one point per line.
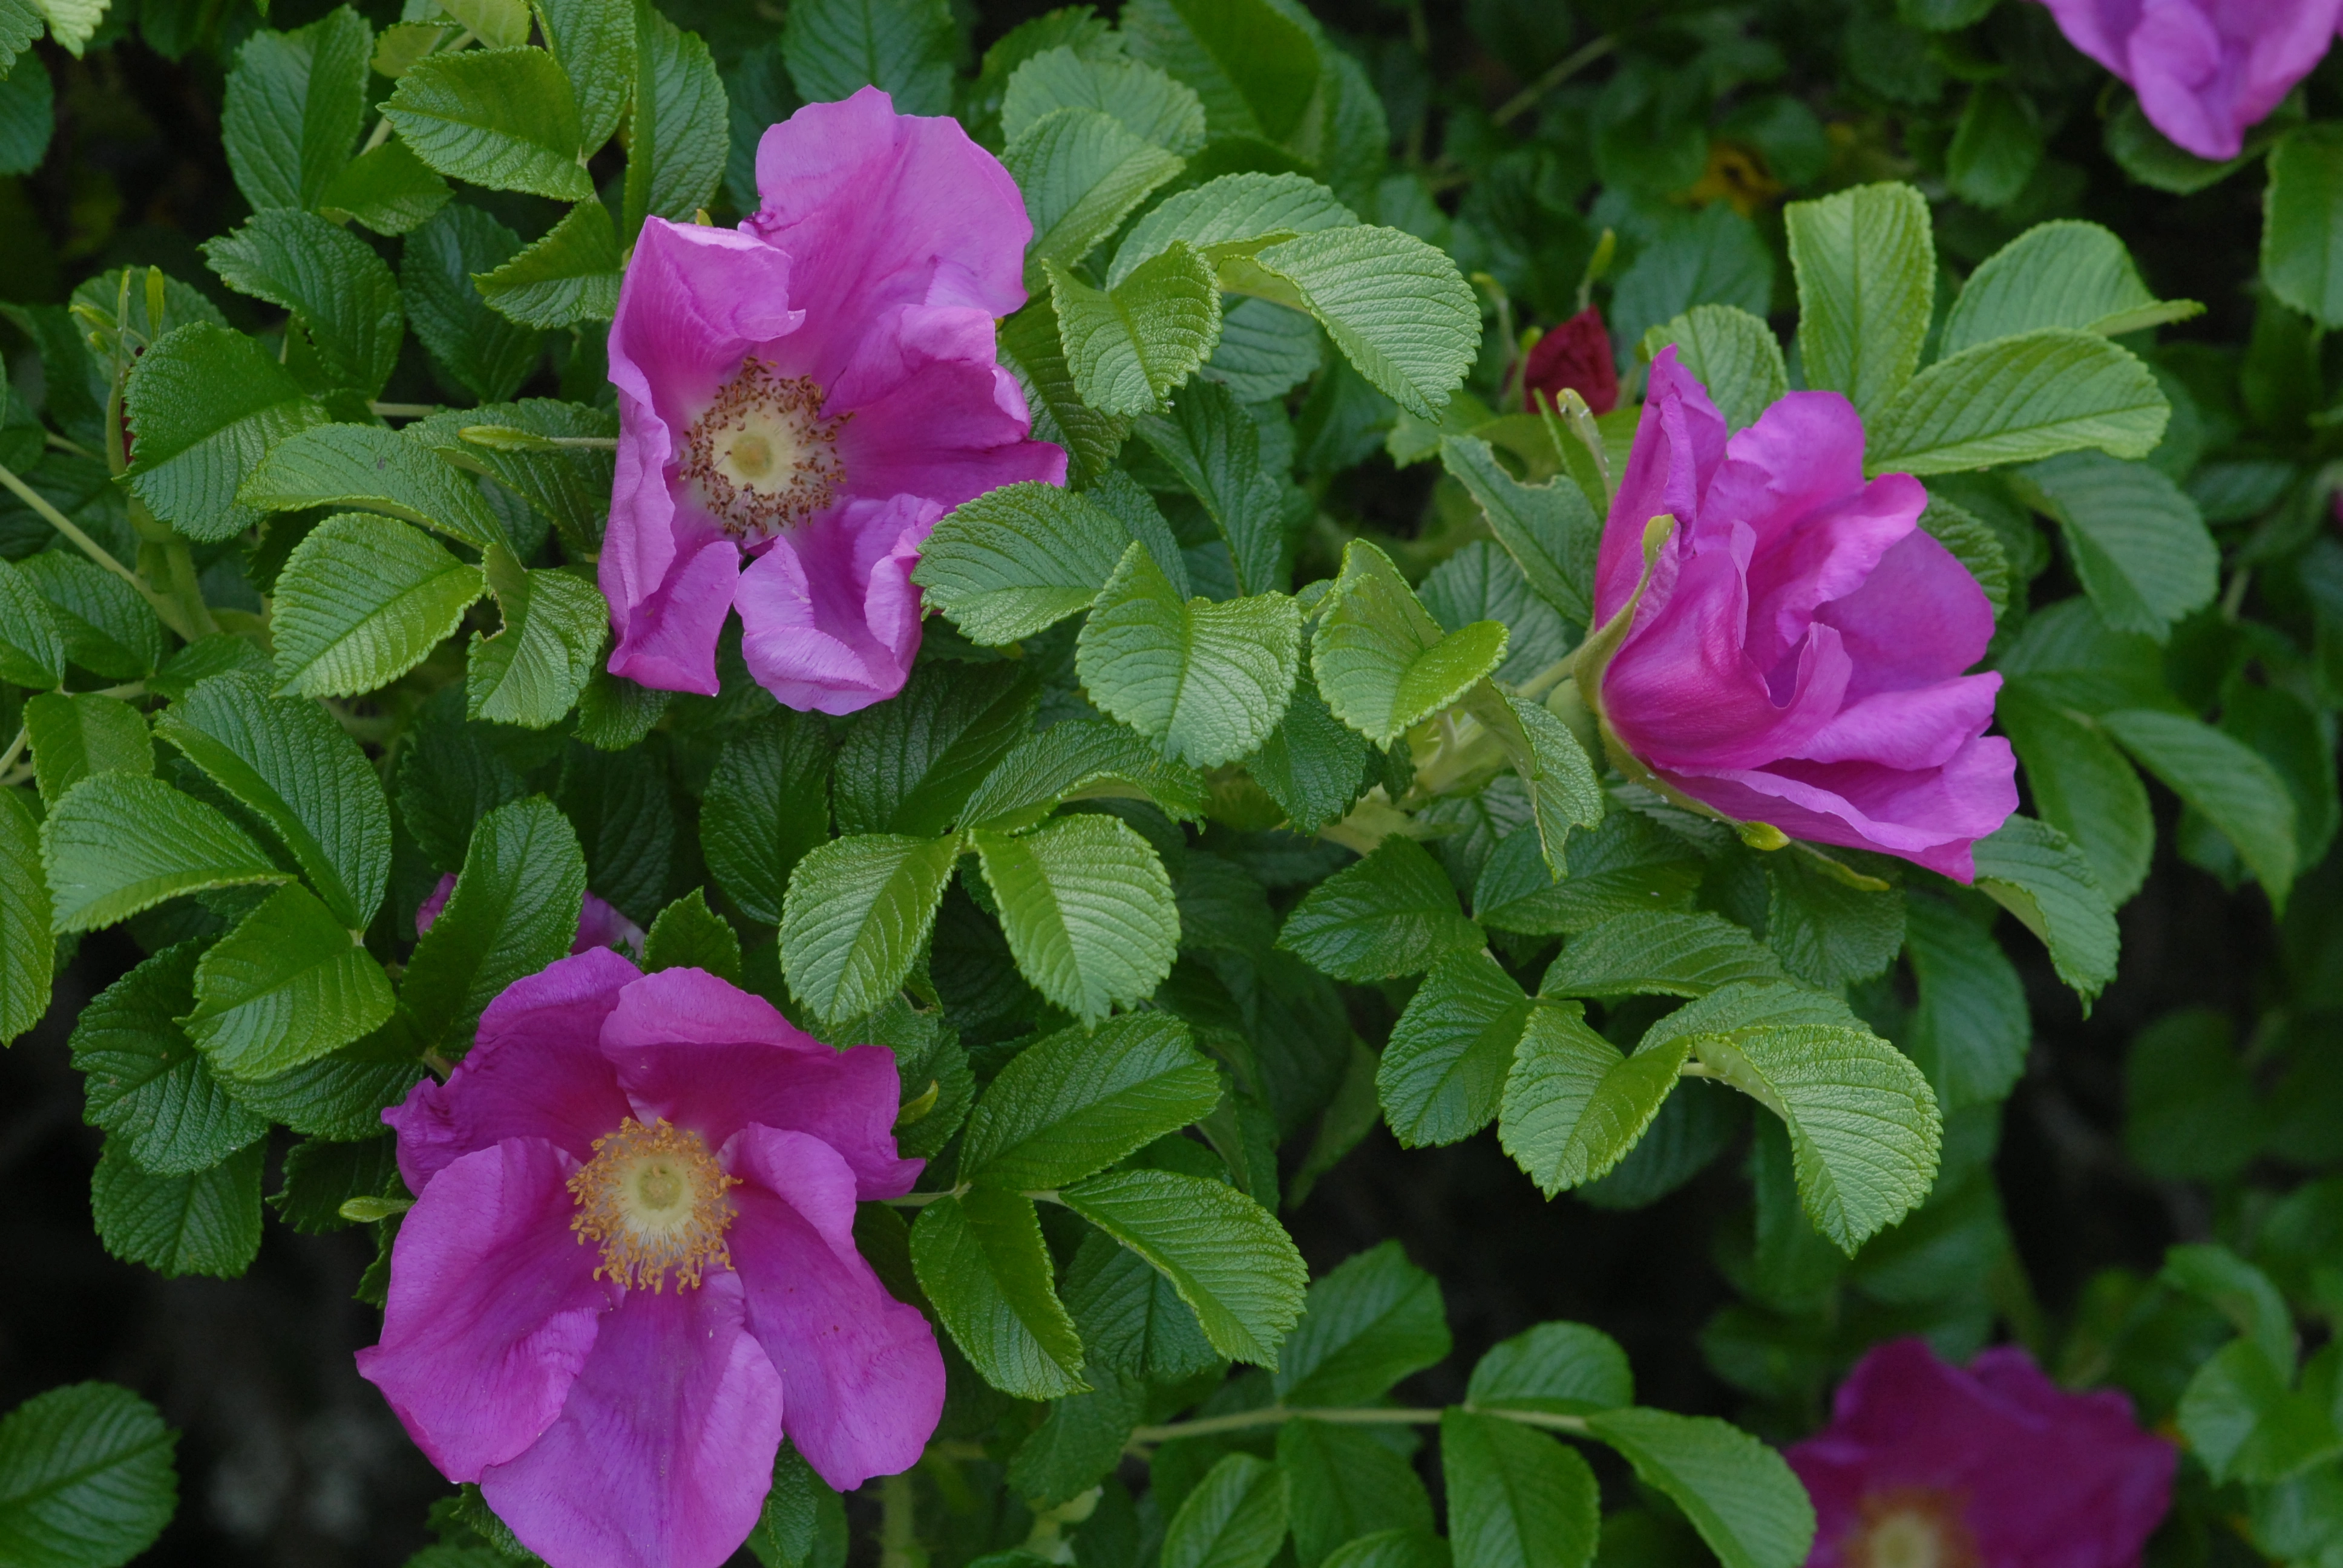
[599, 924]
[1929, 1465]
[802, 398]
[630, 1267]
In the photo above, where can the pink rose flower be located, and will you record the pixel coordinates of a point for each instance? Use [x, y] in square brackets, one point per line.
[807, 395]
[599, 924]
[2206, 71]
[1996, 1467]
[1797, 656]
[630, 1267]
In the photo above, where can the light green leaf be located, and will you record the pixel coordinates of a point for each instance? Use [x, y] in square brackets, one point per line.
[909, 766]
[85, 1478]
[531, 671]
[204, 1223]
[1081, 1099]
[1383, 664]
[1372, 1320]
[377, 470]
[1083, 759]
[341, 1097]
[1253, 65]
[2062, 273]
[1740, 1495]
[1732, 353]
[1443, 1075]
[1573, 1105]
[205, 406]
[679, 127]
[361, 601]
[27, 949]
[982, 1261]
[32, 648]
[594, 42]
[535, 453]
[1975, 543]
[145, 1082]
[107, 628]
[905, 47]
[1127, 349]
[1087, 908]
[294, 106]
[1672, 954]
[498, 24]
[2137, 541]
[1235, 1517]
[2300, 224]
[288, 763]
[1552, 766]
[1150, 104]
[21, 24]
[1865, 261]
[2018, 400]
[1208, 681]
[1019, 559]
[1233, 214]
[1829, 932]
[1231, 1262]
[288, 985]
[1265, 350]
[1342, 1482]
[1627, 865]
[858, 911]
[1564, 1369]
[2034, 872]
[502, 118]
[1516, 1498]
[1392, 913]
[119, 843]
[1030, 347]
[1394, 305]
[766, 803]
[1214, 445]
[514, 910]
[1082, 173]
[1549, 529]
[75, 735]
[340, 291]
[484, 352]
[2225, 780]
[389, 189]
[571, 275]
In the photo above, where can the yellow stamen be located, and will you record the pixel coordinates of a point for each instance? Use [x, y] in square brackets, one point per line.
[763, 457]
[653, 1198]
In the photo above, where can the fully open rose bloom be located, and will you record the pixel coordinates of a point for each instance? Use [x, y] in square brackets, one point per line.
[1797, 656]
[799, 399]
[2206, 71]
[630, 1267]
[1995, 1467]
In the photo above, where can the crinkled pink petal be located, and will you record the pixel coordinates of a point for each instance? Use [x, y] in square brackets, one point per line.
[493, 1307]
[830, 620]
[534, 1071]
[879, 209]
[706, 1055]
[1680, 440]
[935, 415]
[664, 1451]
[865, 1382]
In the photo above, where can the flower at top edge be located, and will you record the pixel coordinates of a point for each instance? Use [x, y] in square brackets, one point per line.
[2206, 71]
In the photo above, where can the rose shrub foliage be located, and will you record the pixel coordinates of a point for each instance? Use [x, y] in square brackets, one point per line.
[1101, 624]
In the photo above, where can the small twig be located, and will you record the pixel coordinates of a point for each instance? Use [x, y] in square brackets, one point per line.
[402, 410]
[1569, 66]
[1278, 1415]
[163, 607]
[16, 749]
[62, 445]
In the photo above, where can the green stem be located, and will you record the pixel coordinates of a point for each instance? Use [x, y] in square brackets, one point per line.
[16, 749]
[189, 592]
[163, 607]
[402, 410]
[898, 1540]
[1569, 66]
[921, 1200]
[1278, 1415]
[62, 445]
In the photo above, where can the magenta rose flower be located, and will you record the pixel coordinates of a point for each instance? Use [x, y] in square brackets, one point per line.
[2206, 71]
[1995, 1467]
[630, 1267]
[599, 924]
[1795, 658]
[799, 399]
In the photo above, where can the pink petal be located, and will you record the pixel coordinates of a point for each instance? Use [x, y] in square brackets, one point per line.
[533, 1071]
[601, 926]
[706, 1055]
[1923, 728]
[830, 620]
[879, 209]
[935, 415]
[865, 1379]
[1680, 440]
[1918, 618]
[426, 913]
[664, 1452]
[493, 1308]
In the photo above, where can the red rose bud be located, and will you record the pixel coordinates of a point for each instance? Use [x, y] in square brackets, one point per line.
[1575, 354]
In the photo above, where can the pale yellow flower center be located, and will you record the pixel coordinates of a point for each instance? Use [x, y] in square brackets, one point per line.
[654, 1199]
[1910, 1527]
[762, 458]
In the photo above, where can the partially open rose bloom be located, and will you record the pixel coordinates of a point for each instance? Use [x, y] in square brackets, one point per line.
[630, 1267]
[2206, 71]
[1994, 1467]
[599, 924]
[1797, 658]
[799, 399]
[1575, 356]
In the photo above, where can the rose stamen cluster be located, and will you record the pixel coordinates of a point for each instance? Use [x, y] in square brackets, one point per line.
[763, 457]
[653, 1198]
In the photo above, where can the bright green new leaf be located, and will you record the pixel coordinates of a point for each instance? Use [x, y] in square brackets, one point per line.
[1208, 681]
[1383, 664]
[1087, 908]
[542, 449]
[1550, 763]
[1573, 1105]
[982, 1263]
[2135, 539]
[1443, 1075]
[377, 471]
[1150, 104]
[1563, 1369]
[287, 985]
[1392, 913]
[1369, 1322]
[2064, 273]
[1129, 347]
[1732, 353]
[571, 275]
[677, 134]
[594, 42]
[857, 911]
[834, 47]
[1234, 214]
[1083, 759]
[1516, 1498]
[294, 104]
[207, 1223]
[361, 601]
[1081, 171]
[514, 910]
[145, 1082]
[2226, 781]
[1081, 1099]
[1865, 261]
[1394, 305]
[85, 1478]
[503, 118]
[1228, 1259]
[205, 406]
[340, 291]
[1740, 1494]
[1235, 1517]
[531, 671]
[1019, 559]
[2038, 874]
[74, 735]
[2018, 400]
[119, 843]
[389, 189]
[1672, 954]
